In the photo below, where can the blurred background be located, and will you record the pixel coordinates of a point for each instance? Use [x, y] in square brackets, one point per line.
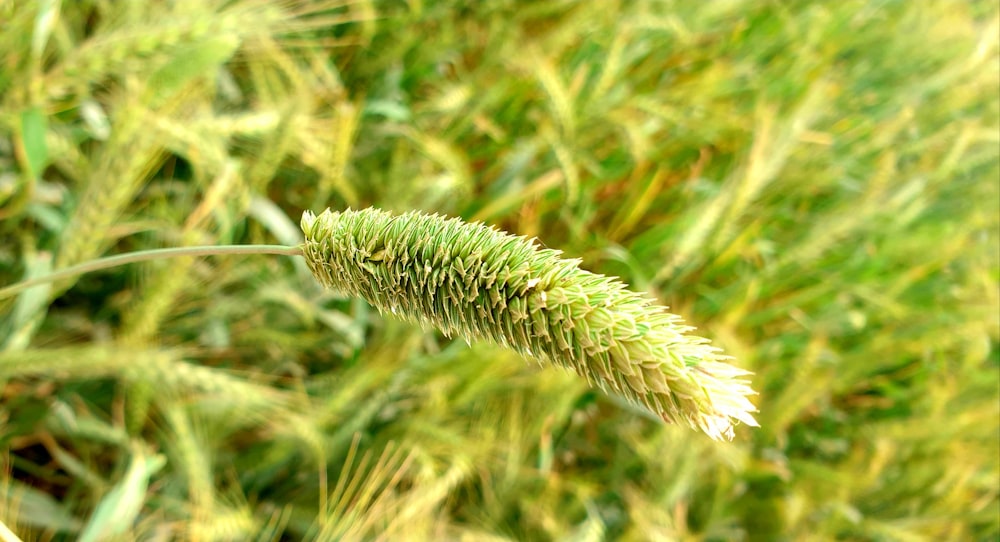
[815, 186]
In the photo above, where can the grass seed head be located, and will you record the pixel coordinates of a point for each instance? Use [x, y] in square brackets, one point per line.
[478, 282]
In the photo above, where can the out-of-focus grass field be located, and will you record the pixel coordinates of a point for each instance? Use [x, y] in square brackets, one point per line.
[815, 185]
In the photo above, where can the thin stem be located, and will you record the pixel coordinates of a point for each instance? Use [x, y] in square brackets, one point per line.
[145, 256]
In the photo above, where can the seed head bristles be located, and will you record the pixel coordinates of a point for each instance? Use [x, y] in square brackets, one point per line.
[481, 283]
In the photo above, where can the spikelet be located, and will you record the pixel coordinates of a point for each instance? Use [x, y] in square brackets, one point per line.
[478, 282]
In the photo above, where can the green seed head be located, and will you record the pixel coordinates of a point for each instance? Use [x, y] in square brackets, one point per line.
[481, 283]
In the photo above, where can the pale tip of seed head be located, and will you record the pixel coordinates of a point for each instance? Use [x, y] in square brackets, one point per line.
[308, 218]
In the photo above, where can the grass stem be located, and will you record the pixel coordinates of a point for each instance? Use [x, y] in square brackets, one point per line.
[145, 256]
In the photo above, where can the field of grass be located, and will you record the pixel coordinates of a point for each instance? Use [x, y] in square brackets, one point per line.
[814, 185]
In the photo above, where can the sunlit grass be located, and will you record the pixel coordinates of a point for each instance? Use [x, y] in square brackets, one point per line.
[814, 186]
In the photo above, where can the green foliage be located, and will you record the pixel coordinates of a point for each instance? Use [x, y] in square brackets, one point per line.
[813, 184]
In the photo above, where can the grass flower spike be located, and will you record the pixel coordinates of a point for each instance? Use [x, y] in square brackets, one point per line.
[481, 283]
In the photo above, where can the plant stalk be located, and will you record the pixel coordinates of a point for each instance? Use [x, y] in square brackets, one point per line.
[145, 256]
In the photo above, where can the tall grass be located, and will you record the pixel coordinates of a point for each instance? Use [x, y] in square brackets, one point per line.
[814, 185]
